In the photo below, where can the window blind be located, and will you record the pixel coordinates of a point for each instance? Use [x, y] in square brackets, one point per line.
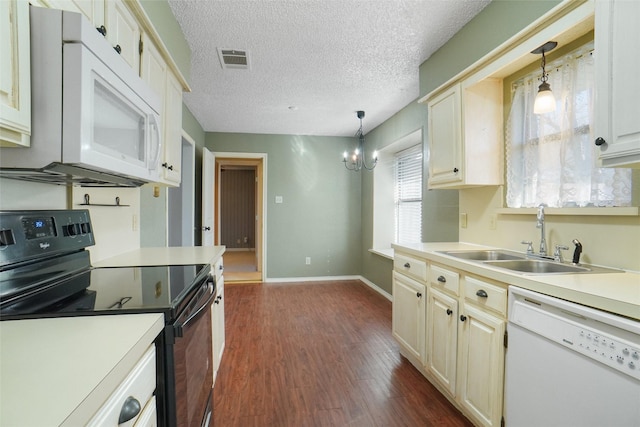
[408, 195]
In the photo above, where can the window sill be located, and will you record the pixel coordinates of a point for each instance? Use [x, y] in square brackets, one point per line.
[384, 253]
[621, 211]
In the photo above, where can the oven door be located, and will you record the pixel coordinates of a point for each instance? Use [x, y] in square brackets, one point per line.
[192, 377]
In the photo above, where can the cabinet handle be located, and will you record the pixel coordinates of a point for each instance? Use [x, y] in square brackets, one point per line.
[407, 265]
[463, 317]
[441, 279]
[102, 30]
[206, 228]
[449, 312]
[482, 293]
[418, 294]
[455, 170]
[118, 49]
[600, 141]
[130, 408]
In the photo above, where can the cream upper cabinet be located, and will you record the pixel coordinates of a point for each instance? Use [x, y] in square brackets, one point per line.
[465, 135]
[15, 76]
[93, 10]
[617, 108]
[171, 165]
[445, 138]
[442, 337]
[408, 314]
[123, 32]
[154, 70]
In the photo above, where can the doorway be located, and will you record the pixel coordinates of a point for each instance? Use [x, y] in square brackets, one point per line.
[239, 215]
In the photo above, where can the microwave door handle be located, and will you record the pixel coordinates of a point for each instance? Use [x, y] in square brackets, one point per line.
[155, 157]
[181, 326]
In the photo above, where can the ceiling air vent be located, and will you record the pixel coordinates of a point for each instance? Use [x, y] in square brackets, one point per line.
[234, 59]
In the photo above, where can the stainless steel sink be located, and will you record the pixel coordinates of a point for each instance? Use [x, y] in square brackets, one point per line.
[486, 255]
[534, 266]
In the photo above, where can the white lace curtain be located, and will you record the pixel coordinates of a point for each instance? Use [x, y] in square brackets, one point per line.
[551, 158]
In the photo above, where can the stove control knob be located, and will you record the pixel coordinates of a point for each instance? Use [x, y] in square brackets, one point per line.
[635, 355]
[625, 351]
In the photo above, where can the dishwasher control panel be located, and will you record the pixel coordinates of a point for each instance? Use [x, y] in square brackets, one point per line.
[604, 337]
[615, 353]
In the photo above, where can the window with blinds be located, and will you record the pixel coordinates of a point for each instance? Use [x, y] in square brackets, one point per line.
[408, 195]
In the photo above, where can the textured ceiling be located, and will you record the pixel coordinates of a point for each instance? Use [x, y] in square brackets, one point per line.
[313, 63]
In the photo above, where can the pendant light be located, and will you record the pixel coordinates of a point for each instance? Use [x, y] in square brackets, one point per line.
[357, 160]
[545, 101]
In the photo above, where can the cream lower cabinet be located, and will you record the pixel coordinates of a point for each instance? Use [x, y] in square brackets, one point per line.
[408, 314]
[481, 364]
[217, 318]
[464, 332]
[442, 338]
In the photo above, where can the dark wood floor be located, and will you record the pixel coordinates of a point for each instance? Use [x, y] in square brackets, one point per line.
[319, 354]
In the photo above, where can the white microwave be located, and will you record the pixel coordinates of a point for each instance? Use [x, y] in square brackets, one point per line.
[94, 120]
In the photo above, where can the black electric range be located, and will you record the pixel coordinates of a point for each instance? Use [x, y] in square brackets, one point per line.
[45, 271]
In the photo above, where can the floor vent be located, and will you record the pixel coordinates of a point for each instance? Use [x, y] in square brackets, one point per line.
[233, 59]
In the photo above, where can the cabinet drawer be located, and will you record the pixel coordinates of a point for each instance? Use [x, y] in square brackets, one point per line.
[414, 267]
[446, 280]
[486, 295]
[139, 384]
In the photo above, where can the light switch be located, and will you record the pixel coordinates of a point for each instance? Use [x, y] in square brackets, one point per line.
[278, 199]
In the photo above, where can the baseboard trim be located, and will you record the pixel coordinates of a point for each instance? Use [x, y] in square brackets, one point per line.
[305, 280]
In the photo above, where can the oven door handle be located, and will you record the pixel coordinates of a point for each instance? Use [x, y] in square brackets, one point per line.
[202, 304]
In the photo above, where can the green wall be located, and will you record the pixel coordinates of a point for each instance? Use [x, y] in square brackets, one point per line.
[439, 207]
[320, 215]
[494, 25]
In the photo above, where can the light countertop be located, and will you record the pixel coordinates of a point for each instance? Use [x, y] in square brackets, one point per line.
[616, 292]
[60, 371]
[178, 255]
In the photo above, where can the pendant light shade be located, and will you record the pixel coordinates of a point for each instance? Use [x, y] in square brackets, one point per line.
[545, 102]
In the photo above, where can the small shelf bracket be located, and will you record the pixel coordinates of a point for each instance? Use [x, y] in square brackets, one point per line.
[87, 202]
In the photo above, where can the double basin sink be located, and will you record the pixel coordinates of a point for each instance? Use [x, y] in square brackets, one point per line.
[521, 263]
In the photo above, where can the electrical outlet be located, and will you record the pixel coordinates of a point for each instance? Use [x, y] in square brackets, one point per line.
[463, 220]
[307, 260]
[493, 219]
[134, 223]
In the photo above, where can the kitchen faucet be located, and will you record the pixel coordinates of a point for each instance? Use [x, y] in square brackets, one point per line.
[540, 225]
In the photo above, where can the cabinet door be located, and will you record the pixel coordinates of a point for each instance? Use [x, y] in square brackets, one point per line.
[217, 314]
[123, 32]
[153, 69]
[481, 364]
[442, 337]
[617, 114]
[93, 10]
[408, 314]
[172, 164]
[445, 137]
[15, 76]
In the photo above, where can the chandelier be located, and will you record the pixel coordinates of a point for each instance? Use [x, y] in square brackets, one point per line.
[357, 160]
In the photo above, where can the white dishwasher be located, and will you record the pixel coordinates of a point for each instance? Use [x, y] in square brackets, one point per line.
[570, 365]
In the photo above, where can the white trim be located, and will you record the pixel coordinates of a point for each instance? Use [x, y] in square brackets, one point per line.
[263, 156]
[306, 280]
[385, 253]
